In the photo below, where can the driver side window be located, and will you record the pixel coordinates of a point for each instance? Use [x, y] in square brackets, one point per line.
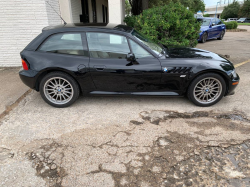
[138, 51]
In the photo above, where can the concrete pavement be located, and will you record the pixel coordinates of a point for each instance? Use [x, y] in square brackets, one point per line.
[12, 89]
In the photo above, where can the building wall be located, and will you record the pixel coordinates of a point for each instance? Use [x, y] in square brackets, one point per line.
[65, 9]
[99, 4]
[53, 17]
[76, 9]
[116, 11]
[20, 22]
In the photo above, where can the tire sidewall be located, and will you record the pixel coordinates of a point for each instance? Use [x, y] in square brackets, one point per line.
[197, 79]
[204, 40]
[222, 35]
[68, 78]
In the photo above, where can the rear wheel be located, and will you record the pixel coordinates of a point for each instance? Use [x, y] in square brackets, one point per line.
[207, 89]
[204, 38]
[221, 35]
[59, 89]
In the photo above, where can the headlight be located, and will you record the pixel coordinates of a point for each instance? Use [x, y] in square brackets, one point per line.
[234, 73]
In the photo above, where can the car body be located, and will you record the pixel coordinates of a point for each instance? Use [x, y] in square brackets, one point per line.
[231, 19]
[198, 16]
[211, 28]
[109, 59]
[243, 20]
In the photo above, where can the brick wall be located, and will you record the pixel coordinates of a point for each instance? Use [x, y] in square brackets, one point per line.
[20, 22]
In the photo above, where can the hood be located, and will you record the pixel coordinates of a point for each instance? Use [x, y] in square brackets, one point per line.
[185, 52]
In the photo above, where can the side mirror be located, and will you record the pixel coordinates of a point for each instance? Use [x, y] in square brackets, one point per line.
[131, 57]
[213, 24]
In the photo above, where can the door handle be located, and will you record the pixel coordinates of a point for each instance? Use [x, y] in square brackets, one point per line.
[99, 68]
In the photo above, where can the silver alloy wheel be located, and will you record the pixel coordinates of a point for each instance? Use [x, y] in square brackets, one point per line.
[207, 90]
[58, 90]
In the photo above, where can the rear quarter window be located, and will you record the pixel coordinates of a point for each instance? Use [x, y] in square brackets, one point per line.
[65, 43]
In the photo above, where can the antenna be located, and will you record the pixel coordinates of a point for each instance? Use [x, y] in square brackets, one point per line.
[56, 13]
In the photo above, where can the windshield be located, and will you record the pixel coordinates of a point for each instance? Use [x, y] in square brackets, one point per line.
[204, 22]
[158, 50]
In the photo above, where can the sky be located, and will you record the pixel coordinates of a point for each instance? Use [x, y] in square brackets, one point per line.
[213, 2]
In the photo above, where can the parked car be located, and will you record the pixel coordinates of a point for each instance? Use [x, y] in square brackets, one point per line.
[198, 16]
[211, 28]
[243, 20]
[231, 19]
[108, 59]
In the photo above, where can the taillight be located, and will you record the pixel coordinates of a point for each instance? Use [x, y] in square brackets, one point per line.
[25, 65]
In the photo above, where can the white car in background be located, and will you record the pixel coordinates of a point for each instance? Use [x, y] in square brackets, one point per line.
[231, 19]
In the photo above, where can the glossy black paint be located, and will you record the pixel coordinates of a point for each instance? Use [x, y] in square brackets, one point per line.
[169, 75]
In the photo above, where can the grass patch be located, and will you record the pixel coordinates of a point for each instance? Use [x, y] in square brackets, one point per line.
[243, 23]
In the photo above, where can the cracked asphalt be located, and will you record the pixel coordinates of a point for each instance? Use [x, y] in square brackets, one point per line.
[132, 141]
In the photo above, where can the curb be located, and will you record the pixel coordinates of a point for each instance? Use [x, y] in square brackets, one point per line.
[9, 108]
[236, 30]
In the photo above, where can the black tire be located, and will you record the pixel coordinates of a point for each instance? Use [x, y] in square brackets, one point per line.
[191, 92]
[73, 88]
[222, 35]
[204, 37]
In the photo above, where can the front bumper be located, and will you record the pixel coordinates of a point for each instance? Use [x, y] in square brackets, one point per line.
[29, 77]
[233, 83]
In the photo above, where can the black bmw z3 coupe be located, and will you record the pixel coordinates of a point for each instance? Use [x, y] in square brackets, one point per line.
[106, 59]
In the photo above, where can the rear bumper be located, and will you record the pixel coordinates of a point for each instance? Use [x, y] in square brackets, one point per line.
[232, 85]
[28, 77]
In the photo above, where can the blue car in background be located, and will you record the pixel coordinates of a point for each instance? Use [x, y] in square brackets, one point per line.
[211, 28]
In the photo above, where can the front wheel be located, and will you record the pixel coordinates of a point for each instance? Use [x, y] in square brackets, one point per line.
[204, 38]
[59, 89]
[222, 35]
[207, 89]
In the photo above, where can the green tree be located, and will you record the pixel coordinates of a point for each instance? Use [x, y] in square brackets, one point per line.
[245, 10]
[193, 5]
[137, 6]
[172, 24]
[206, 15]
[127, 7]
[231, 11]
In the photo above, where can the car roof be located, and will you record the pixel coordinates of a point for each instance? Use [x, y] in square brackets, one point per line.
[109, 26]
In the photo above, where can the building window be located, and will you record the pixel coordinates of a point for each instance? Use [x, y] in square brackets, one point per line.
[84, 17]
[66, 43]
[102, 45]
[94, 11]
[104, 14]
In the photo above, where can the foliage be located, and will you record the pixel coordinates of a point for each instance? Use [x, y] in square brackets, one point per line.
[127, 7]
[231, 11]
[193, 5]
[130, 20]
[245, 10]
[137, 6]
[172, 24]
[231, 25]
[206, 15]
